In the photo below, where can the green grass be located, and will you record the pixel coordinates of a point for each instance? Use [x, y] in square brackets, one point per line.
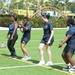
[32, 48]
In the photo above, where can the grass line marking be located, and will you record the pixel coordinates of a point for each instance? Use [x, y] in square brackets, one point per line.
[24, 66]
[49, 67]
[13, 67]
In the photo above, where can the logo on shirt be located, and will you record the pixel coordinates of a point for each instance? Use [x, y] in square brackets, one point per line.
[46, 26]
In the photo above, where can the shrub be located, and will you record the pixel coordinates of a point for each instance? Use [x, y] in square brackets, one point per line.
[36, 21]
[5, 20]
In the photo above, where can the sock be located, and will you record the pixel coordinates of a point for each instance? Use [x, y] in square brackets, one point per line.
[74, 67]
[68, 64]
[14, 53]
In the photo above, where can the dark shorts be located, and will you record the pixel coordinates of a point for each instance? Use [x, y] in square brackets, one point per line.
[45, 40]
[25, 40]
[68, 49]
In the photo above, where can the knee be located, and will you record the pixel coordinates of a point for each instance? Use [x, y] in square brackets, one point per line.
[48, 49]
[22, 46]
[40, 48]
[63, 55]
[69, 57]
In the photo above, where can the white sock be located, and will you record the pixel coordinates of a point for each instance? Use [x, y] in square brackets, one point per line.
[73, 66]
[68, 64]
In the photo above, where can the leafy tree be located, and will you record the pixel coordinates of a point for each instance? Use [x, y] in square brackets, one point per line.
[71, 6]
[2, 4]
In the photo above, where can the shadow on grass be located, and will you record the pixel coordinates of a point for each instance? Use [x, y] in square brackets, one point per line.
[57, 67]
[19, 57]
[34, 61]
[6, 55]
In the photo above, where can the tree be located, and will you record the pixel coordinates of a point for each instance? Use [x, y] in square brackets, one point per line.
[71, 6]
[2, 4]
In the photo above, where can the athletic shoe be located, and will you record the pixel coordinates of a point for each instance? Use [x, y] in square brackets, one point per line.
[26, 58]
[41, 63]
[49, 63]
[67, 68]
[13, 56]
[72, 70]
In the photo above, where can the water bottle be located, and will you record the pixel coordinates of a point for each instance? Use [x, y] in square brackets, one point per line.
[2, 45]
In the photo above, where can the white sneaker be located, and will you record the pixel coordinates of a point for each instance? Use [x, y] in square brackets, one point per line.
[49, 63]
[26, 58]
[72, 70]
[41, 63]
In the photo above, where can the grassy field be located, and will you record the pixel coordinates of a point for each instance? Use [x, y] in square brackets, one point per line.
[9, 66]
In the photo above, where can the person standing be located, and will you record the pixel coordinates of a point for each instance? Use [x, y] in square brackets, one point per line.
[47, 40]
[69, 49]
[13, 35]
[26, 30]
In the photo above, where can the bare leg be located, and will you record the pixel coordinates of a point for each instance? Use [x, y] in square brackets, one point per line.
[49, 53]
[69, 56]
[41, 46]
[64, 56]
[24, 50]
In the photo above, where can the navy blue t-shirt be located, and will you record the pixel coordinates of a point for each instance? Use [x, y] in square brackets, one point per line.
[71, 40]
[27, 32]
[48, 27]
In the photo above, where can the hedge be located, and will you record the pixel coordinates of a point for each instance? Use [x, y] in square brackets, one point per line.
[36, 21]
[5, 20]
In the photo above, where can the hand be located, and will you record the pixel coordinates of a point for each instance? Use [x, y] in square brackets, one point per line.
[11, 38]
[6, 37]
[48, 43]
[19, 26]
[60, 45]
